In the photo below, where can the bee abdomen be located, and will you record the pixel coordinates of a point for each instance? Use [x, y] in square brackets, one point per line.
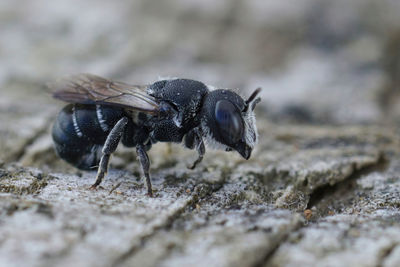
[80, 131]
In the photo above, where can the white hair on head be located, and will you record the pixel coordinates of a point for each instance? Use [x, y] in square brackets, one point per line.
[209, 140]
[251, 134]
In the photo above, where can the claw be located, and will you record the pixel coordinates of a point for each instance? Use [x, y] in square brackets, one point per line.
[93, 187]
[150, 193]
[192, 166]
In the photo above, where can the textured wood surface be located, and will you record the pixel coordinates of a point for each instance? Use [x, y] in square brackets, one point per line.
[321, 189]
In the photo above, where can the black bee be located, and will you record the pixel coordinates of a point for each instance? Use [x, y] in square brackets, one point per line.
[102, 113]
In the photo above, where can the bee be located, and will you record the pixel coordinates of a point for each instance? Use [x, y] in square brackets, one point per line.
[102, 113]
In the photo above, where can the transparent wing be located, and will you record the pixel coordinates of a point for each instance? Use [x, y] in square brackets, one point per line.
[92, 89]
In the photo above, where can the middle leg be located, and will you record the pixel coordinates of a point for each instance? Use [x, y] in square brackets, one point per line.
[145, 162]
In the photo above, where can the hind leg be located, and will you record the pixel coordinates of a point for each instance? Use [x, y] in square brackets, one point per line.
[109, 147]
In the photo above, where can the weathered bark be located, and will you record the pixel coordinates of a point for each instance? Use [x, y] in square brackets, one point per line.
[321, 188]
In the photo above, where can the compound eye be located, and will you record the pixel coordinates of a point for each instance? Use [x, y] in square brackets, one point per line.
[229, 121]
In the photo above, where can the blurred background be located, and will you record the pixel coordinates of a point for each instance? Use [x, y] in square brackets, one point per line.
[318, 61]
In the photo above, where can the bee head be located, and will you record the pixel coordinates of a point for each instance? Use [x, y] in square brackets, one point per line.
[228, 121]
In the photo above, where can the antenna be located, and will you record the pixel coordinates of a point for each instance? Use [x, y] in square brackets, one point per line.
[251, 99]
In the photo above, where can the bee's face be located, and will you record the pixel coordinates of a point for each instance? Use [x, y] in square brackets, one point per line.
[229, 122]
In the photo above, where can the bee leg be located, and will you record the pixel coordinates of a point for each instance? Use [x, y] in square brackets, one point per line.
[144, 161]
[109, 147]
[201, 149]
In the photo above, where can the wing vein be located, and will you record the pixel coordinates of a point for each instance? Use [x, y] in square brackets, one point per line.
[91, 89]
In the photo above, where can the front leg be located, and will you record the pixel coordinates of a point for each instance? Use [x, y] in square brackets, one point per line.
[199, 145]
[109, 147]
